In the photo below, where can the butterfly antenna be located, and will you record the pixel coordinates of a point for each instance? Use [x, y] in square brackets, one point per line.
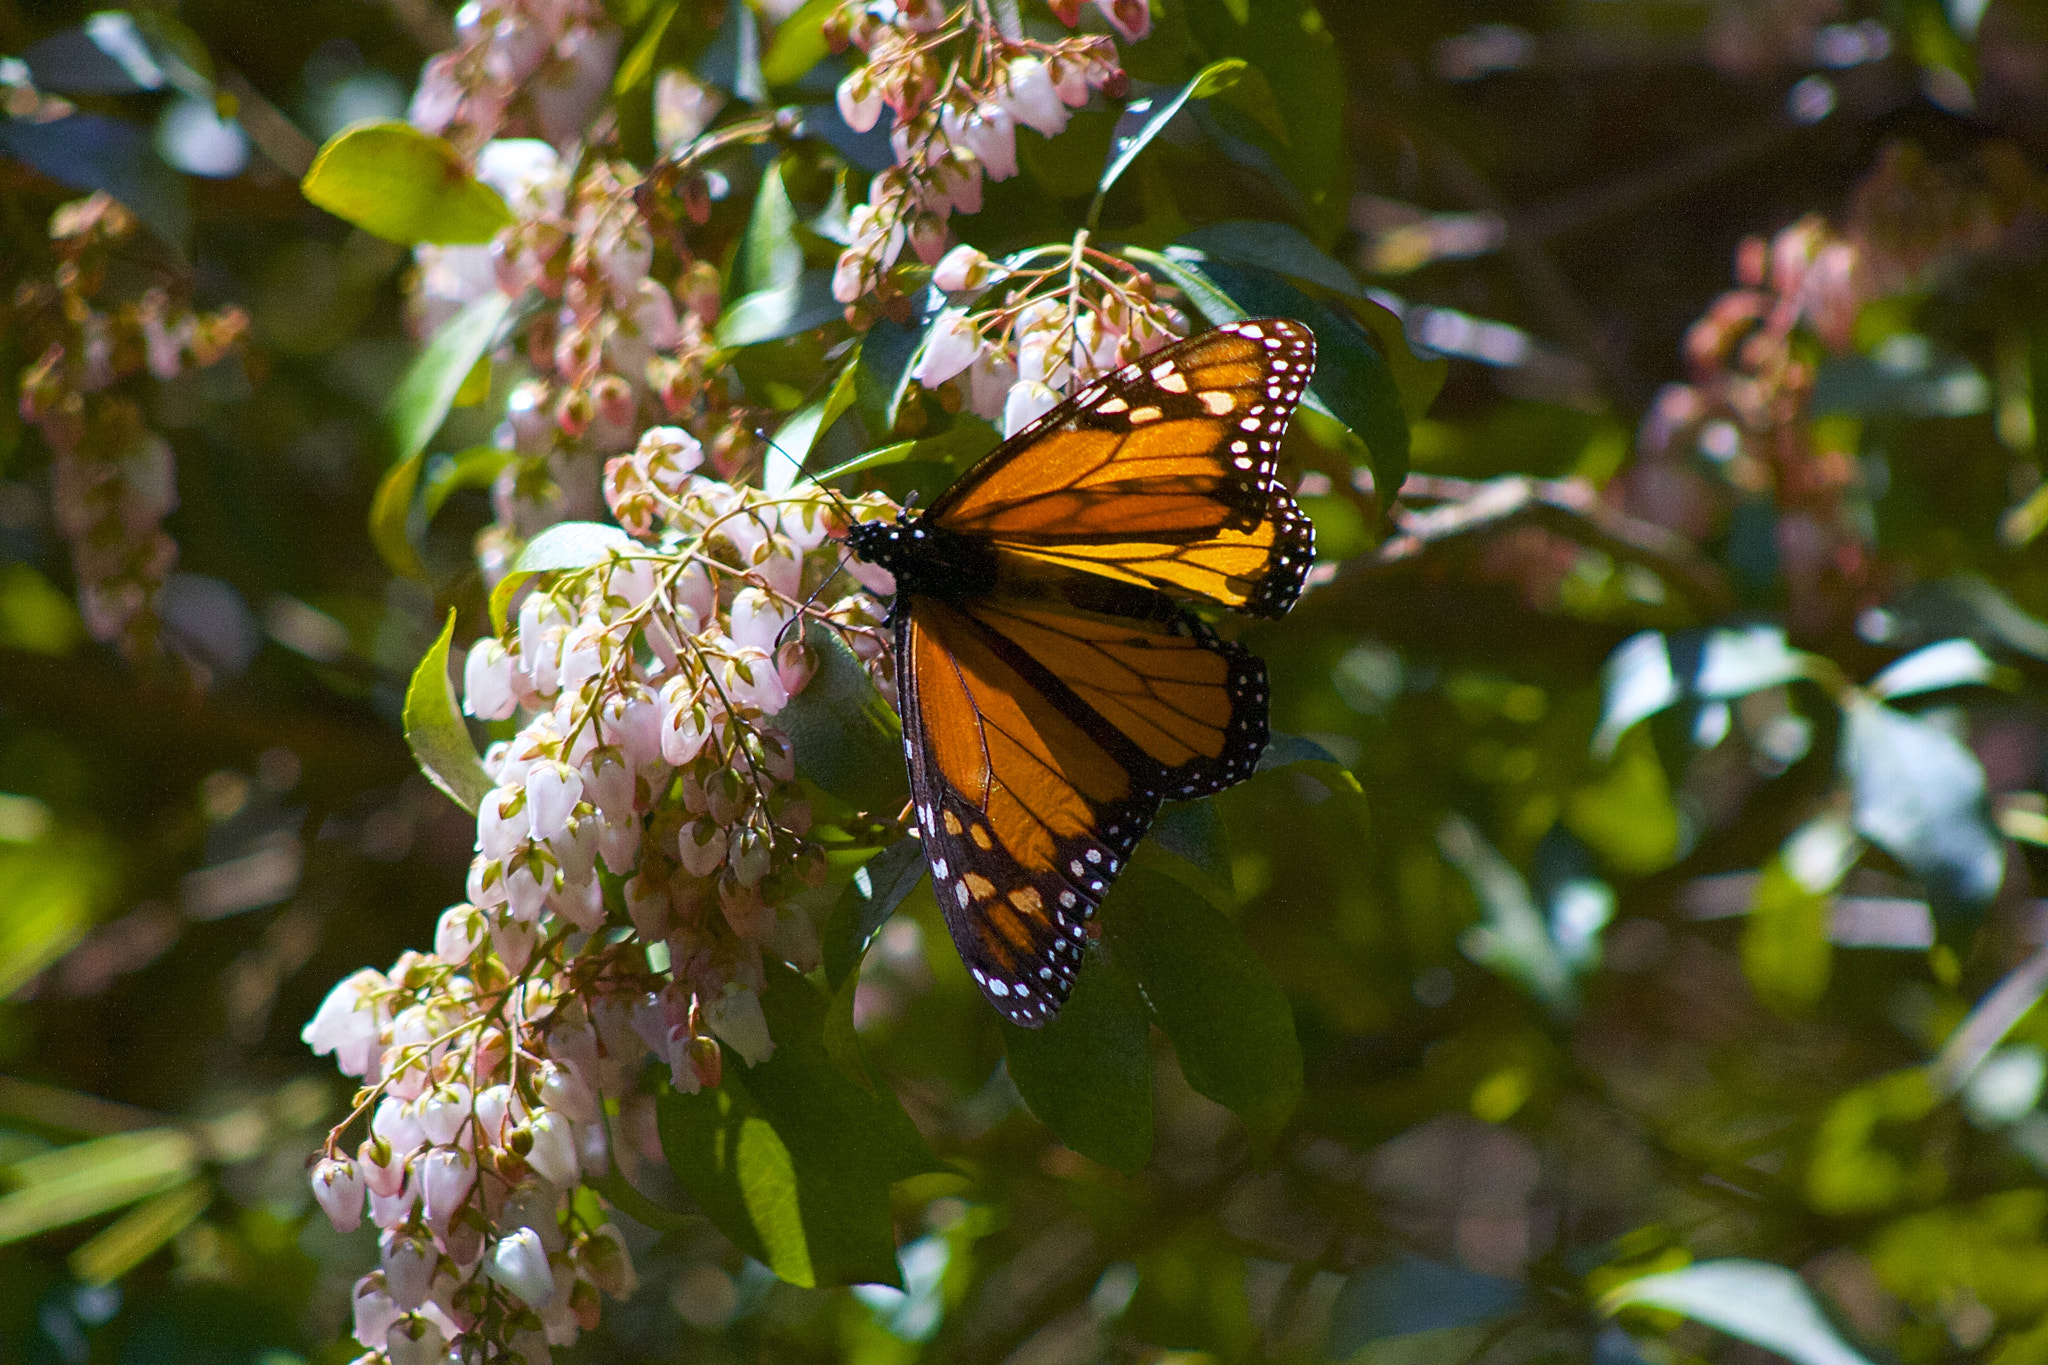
[816, 592]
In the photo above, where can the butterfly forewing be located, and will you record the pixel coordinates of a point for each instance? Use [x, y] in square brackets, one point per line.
[1163, 475]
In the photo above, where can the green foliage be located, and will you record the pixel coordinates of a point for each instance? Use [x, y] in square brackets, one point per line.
[395, 181]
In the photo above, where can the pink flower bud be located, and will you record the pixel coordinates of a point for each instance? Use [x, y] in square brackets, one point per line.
[795, 665]
[553, 1154]
[951, 347]
[608, 781]
[1029, 400]
[1067, 12]
[408, 1268]
[750, 856]
[631, 719]
[563, 1088]
[338, 1186]
[487, 681]
[526, 896]
[860, 99]
[751, 680]
[394, 1210]
[514, 940]
[686, 725]
[498, 1108]
[382, 1169]
[618, 843]
[583, 653]
[397, 1123]
[1069, 82]
[605, 1260]
[447, 1174]
[992, 137]
[700, 847]
[1031, 98]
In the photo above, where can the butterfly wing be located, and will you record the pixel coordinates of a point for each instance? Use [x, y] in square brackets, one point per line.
[1163, 475]
[1041, 739]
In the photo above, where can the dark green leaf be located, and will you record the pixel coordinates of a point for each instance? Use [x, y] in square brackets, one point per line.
[800, 432]
[1145, 119]
[877, 888]
[792, 1159]
[733, 61]
[1087, 1075]
[770, 258]
[1230, 1025]
[1278, 247]
[960, 445]
[886, 353]
[421, 401]
[476, 467]
[398, 183]
[847, 739]
[1283, 749]
[433, 728]
[1919, 795]
[391, 517]
[1193, 832]
[799, 43]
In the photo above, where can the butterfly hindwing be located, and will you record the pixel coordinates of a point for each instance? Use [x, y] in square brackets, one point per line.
[1163, 475]
[1026, 818]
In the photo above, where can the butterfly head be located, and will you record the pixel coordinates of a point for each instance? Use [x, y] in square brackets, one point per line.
[923, 558]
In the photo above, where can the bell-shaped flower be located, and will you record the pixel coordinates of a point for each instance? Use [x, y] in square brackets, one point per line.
[458, 933]
[992, 137]
[563, 1087]
[751, 679]
[604, 1259]
[447, 1174]
[443, 1110]
[383, 1168]
[553, 1153]
[686, 722]
[396, 1121]
[416, 1339]
[502, 822]
[526, 892]
[1132, 19]
[1031, 98]
[796, 663]
[618, 843]
[631, 719]
[487, 681]
[583, 653]
[346, 1023]
[751, 855]
[647, 905]
[737, 1019]
[498, 1109]
[860, 99]
[700, 847]
[338, 1186]
[965, 268]
[514, 940]
[408, 1268]
[949, 348]
[552, 790]
[520, 1264]
[374, 1310]
[608, 780]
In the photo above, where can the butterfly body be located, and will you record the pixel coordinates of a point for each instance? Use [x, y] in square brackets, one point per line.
[1054, 685]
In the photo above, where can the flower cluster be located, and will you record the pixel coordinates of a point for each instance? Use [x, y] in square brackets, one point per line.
[113, 480]
[957, 88]
[637, 857]
[1018, 336]
[519, 68]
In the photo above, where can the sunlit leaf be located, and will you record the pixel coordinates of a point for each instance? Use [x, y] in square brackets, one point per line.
[733, 61]
[1760, 1303]
[799, 43]
[1950, 663]
[77, 1182]
[406, 186]
[48, 891]
[1919, 795]
[780, 311]
[770, 255]
[421, 401]
[1513, 939]
[799, 432]
[564, 546]
[434, 730]
[1144, 119]
[1087, 1075]
[139, 1233]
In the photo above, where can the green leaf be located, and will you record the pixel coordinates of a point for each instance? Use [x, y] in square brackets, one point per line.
[1231, 1027]
[1087, 1075]
[81, 1181]
[398, 183]
[1193, 832]
[781, 311]
[847, 739]
[1938, 667]
[1785, 949]
[770, 255]
[960, 445]
[476, 467]
[1650, 673]
[391, 517]
[1919, 795]
[800, 431]
[798, 45]
[421, 401]
[1144, 119]
[733, 61]
[886, 353]
[1410, 1294]
[792, 1159]
[1513, 939]
[565, 545]
[638, 65]
[434, 730]
[877, 887]
[137, 1234]
[1763, 1304]
[47, 894]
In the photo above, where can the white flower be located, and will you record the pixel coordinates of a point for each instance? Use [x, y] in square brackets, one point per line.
[736, 1018]
[443, 1110]
[1070, 83]
[520, 1264]
[631, 719]
[951, 347]
[496, 1108]
[1029, 400]
[416, 1339]
[553, 1154]
[338, 1186]
[346, 1024]
[965, 268]
[408, 1268]
[374, 1310]
[991, 135]
[397, 1123]
[757, 620]
[686, 725]
[552, 791]
[860, 100]
[618, 843]
[499, 831]
[562, 1088]
[1031, 98]
[700, 847]
[514, 940]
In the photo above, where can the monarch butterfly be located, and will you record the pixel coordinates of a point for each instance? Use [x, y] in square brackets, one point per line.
[1053, 687]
